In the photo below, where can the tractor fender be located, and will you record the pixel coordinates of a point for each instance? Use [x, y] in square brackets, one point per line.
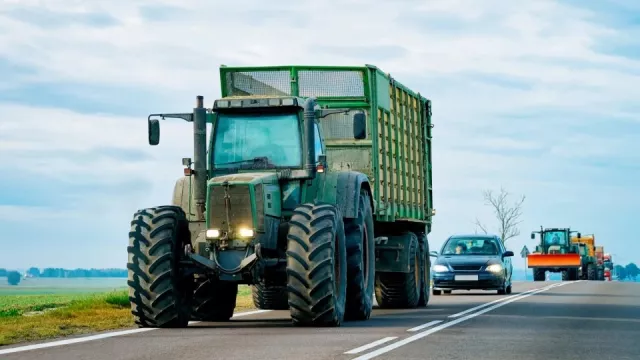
[392, 252]
[343, 189]
[182, 197]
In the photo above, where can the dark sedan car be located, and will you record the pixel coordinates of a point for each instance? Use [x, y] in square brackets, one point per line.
[472, 262]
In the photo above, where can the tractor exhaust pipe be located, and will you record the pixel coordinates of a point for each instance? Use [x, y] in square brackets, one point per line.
[309, 118]
[199, 156]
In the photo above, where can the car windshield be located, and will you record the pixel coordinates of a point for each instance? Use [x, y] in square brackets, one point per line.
[471, 246]
[555, 238]
[246, 138]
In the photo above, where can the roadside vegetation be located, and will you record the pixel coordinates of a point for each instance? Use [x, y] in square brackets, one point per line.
[30, 317]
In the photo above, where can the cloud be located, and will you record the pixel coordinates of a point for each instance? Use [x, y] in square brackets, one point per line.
[538, 96]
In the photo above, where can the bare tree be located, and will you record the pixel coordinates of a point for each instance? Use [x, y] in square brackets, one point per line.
[508, 215]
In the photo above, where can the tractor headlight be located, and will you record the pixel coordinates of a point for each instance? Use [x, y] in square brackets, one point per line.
[245, 233]
[440, 268]
[494, 268]
[212, 234]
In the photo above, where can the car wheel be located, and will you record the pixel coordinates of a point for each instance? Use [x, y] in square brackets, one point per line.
[503, 290]
[436, 292]
[447, 291]
[509, 289]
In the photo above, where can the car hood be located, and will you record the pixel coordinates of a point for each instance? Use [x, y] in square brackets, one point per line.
[479, 260]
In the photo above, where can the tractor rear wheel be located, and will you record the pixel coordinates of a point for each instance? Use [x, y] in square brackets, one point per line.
[316, 265]
[214, 300]
[401, 290]
[269, 297]
[591, 272]
[360, 261]
[159, 294]
[538, 274]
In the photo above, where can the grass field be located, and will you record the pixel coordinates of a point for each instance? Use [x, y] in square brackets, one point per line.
[46, 308]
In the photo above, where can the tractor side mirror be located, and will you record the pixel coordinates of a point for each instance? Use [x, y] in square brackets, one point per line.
[533, 236]
[508, 253]
[359, 126]
[154, 131]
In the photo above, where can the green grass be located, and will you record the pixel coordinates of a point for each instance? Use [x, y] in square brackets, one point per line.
[29, 316]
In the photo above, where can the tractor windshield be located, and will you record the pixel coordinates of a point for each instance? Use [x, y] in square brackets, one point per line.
[241, 139]
[555, 238]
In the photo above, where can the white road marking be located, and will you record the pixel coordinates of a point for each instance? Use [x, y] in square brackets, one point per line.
[104, 336]
[423, 326]
[432, 330]
[489, 303]
[499, 300]
[371, 345]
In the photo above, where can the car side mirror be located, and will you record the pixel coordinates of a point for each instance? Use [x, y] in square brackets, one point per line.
[154, 131]
[533, 236]
[508, 253]
[359, 126]
[433, 254]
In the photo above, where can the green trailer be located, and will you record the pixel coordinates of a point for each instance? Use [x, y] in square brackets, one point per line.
[315, 188]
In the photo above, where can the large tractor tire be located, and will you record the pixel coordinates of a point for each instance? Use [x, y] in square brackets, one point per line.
[425, 270]
[401, 290]
[360, 261]
[316, 266]
[591, 272]
[214, 300]
[538, 274]
[269, 297]
[159, 295]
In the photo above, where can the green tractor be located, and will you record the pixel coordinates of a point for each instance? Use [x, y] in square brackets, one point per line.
[555, 253]
[587, 269]
[314, 188]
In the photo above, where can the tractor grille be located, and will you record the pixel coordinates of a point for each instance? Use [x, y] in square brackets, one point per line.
[240, 211]
[466, 267]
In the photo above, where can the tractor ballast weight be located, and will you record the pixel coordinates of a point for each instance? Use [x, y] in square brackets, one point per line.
[315, 189]
[555, 253]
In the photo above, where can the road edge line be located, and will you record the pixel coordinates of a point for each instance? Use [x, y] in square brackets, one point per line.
[106, 335]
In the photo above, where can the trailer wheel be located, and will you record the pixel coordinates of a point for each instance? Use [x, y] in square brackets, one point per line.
[425, 272]
[159, 294]
[269, 297]
[360, 261]
[591, 272]
[316, 265]
[214, 300]
[401, 290]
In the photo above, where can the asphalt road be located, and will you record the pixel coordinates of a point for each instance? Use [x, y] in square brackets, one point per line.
[549, 320]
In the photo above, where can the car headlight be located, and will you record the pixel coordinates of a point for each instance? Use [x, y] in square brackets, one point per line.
[440, 268]
[494, 268]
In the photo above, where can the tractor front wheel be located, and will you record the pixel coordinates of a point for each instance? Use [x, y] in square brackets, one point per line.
[316, 266]
[159, 294]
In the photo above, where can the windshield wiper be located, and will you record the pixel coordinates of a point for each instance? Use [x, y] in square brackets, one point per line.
[254, 161]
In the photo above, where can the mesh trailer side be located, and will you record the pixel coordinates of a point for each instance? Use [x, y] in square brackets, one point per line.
[304, 81]
[402, 162]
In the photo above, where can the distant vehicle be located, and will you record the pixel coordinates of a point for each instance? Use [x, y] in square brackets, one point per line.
[473, 262]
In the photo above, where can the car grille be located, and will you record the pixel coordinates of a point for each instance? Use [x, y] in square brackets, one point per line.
[466, 267]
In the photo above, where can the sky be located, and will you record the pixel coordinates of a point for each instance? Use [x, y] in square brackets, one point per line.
[539, 97]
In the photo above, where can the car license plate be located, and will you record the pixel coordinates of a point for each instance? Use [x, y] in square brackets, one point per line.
[466, 277]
